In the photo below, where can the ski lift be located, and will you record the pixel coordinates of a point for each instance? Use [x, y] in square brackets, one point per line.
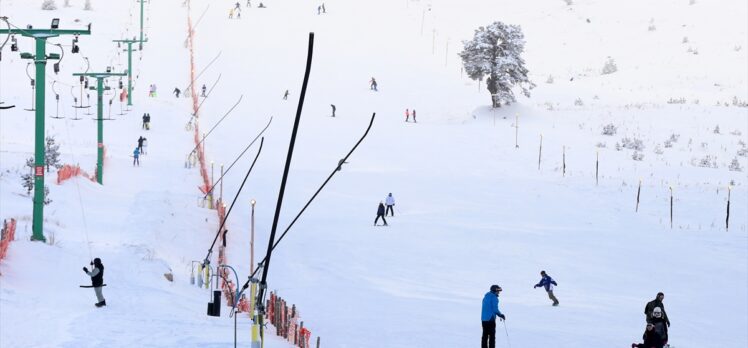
[56, 66]
[13, 44]
[57, 99]
[75, 101]
[75, 48]
[33, 88]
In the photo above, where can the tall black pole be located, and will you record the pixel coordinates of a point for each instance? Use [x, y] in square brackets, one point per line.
[271, 240]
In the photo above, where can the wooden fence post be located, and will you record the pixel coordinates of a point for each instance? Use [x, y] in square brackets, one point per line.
[727, 219]
[540, 150]
[638, 193]
[564, 162]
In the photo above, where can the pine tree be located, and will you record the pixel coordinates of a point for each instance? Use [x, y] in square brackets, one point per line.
[49, 5]
[495, 51]
[27, 180]
[52, 154]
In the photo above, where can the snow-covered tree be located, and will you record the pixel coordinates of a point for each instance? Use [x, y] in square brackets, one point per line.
[52, 154]
[49, 5]
[27, 180]
[610, 66]
[495, 51]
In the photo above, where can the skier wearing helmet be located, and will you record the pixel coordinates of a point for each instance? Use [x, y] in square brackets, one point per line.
[489, 312]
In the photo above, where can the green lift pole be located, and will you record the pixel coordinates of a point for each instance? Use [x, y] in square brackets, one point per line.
[129, 66]
[141, 26]
[100, 118]
[40, 61]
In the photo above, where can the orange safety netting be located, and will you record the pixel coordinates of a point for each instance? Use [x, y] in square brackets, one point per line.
[68, 171]
[7, 235]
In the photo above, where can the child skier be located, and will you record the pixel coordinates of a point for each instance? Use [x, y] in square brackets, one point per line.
[547, 282]
[97, 280]
[136, 157]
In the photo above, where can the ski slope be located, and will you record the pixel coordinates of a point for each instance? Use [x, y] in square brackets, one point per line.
[472, 210]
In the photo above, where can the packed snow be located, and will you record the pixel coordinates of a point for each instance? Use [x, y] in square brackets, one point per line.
[656, 91]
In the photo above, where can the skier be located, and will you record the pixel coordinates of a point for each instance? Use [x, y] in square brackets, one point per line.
[136, 157]
[489, 312]
[144, 151]
[152, 92]
[651, 305]
[333, 109]
[390, 202]
[145, 119]
[97, 280]
[204, 89]
[238, 7]
[380, 213]
[547, 282]
[249, 3]
[231, 13]
[285, 95]
[319, 9]
[414, 116]
[407, 115]
[140, 144]
[651, 339]
[323, 8]
[176, 92]
[373, 84]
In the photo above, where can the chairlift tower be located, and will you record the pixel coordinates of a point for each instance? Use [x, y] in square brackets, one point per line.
[129, 64]
[40, 58]
[100, 117]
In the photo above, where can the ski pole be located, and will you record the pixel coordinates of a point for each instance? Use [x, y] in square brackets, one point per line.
[507, 335]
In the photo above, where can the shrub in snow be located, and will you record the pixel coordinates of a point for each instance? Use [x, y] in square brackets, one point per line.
[658, 150]
[695, 102]
[52, 154]
[569, 2]
[735, 165]
[685, 39]
[716, 130]
[610, 66]
[652, 26]
[578, 102]
[27, 181]
[676, 101]
[495, 52]
[87, 6]
[692, 50]
[743, 152]
[691, 2]
[610, 129]
[707, 162]
[736, 132]
[738, 48]
[549, 106]
[49, 5]
[601, 145]
[637, 156]
[67, 3]
[739, 103]
[668, 144]
[618, 147]
[632, 144]
[549, 80]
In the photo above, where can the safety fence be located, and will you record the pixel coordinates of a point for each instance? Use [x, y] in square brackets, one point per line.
[286, 322]
[7, 235]
[69, 171]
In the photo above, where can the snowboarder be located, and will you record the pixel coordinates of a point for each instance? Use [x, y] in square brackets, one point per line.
[140, 144]
[651, 339]
[407, 115]
[176, 92]
[204, 89]
[651, 305]
[333, 109]
[373, 84]
[390, 203]
[380, 213]
[489, 312]
[97, 280]
[136, 157]
[547, 282]
[414, 116]
[285, 95]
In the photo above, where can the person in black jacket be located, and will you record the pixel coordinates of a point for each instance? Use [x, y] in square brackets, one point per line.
[380, 213]
[651, 339]
[333, 109]
[651, 305]
[97, 280]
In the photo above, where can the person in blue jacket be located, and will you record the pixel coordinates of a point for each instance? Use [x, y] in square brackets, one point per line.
[489, 312]
[547, 282]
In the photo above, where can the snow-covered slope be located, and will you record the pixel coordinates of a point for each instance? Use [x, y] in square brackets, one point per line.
[472, 210]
